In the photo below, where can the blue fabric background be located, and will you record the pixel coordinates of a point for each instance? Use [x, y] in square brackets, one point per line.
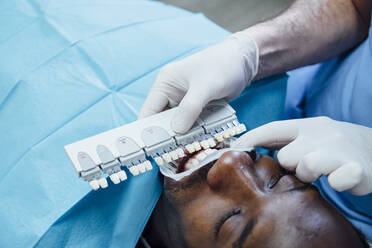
[72, 69]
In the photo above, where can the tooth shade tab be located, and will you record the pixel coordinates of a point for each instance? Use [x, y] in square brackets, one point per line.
[190, 148]
[212, 142]
[148, 165]
[159, 161]
[122, 175]
[115, 178]
[180, 153]
[167, 158]
[134, 170]
[218, 137]
[204, 144]
[94, 184]
[173, 155]
[237, 130]
[225, 134]
[142, 168]
[196, 146]
[232, 131]
[242, 128]
[103, 183]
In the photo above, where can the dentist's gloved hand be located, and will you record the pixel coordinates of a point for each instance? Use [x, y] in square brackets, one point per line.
[320, 146]
[220, 71]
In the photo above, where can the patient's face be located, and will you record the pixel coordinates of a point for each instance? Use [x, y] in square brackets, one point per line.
[236, 202]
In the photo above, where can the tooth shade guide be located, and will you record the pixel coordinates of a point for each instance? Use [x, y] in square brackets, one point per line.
[134, 142]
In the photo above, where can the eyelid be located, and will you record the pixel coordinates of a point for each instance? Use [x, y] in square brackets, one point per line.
[224, 218]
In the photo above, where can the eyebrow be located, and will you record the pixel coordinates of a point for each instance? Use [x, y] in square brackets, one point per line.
[245, 233]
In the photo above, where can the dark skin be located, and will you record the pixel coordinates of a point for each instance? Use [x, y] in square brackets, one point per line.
[308, 32]
[236, 202]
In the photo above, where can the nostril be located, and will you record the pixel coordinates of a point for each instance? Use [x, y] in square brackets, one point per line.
[228, 165]
[252, 154]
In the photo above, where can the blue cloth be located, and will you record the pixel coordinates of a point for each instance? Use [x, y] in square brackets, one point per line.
[71, 69]
[341, 89]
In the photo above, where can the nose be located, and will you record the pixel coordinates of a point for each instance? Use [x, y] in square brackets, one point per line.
[233, 173]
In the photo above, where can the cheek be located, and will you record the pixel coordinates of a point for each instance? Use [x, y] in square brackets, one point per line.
[181, 195]
[266, 168]
[197, 227]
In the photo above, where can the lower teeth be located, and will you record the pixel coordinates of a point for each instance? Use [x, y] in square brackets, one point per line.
[197, 158]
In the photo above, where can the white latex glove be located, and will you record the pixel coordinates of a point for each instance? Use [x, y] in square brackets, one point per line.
[320, 146]
[220, 71]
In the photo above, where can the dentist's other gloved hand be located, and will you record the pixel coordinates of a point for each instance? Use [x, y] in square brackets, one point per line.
[220, 71]
[320, 146]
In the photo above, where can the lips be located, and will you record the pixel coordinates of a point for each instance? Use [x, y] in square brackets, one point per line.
[193, 159]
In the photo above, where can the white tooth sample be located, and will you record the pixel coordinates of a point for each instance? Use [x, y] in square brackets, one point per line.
[134, 170]
[237, 130]
[115, 178]
[180, 153]
[122, 175]
[159, 161]
[204, 144]
[226, 134]
[142, 168]
[212, 142]
[218, 137]
[242, 128]
[148, 165]
[103, 183]
[94, 184]
[202, 155]
[173, 155]
[167, 157]
[190, 148]
[232, 131]
[196, 146]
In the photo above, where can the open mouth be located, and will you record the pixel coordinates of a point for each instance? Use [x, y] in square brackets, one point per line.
[193, 159]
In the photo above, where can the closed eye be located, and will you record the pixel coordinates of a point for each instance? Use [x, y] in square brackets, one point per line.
[224, 218]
